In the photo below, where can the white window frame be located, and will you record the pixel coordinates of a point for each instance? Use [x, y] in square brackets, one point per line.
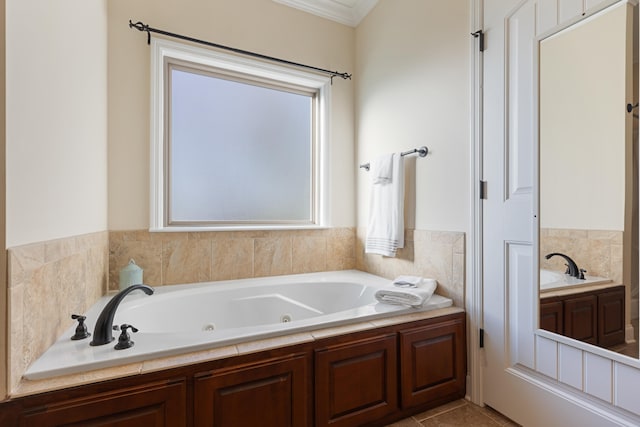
[164, 50]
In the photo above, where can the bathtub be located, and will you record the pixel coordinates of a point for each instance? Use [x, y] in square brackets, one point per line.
[556, 280]
[185, 318]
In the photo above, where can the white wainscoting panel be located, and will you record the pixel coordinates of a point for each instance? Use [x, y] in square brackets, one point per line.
[570, 366]
[598, 377]
[547, 360]
[627, 391]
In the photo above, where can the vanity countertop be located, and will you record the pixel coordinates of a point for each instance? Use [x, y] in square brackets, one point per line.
[577, 289]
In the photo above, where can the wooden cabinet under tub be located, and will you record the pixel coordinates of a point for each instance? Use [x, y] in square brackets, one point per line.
[372, 377]
[157, 404]
[594, 316]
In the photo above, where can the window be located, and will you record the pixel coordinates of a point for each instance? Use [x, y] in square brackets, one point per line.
[236, 143]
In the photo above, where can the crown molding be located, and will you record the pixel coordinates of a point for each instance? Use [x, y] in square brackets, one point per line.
[348, 12]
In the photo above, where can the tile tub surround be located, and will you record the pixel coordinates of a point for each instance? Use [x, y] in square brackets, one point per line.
[175, 258]
[47, 282]
[436, 254]
[598, 252]
[68, 275]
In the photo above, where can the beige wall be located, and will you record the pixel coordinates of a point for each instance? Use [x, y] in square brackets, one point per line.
[582, 125]
[56, 119]
[412, 89]
[256, 25]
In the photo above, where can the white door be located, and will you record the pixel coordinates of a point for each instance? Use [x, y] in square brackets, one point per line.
[511, 382]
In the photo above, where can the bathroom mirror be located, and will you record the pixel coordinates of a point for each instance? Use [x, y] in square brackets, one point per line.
[589, 180]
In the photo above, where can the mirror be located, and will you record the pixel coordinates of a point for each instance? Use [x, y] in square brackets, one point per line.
[589, 180]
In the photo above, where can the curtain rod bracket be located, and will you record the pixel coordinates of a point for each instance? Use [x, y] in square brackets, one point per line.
[144, 27]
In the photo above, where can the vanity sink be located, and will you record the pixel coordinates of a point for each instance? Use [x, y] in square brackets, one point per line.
[555, 280]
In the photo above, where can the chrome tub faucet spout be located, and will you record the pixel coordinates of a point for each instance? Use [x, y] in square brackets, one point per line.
[102, 333]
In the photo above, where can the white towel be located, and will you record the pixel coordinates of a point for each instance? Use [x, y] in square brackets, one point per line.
[382, 169]
[414, 297]
[407, 281]
[385, 231]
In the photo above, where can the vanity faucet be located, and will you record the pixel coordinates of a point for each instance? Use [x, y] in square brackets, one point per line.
[572, 269]
[104, 325]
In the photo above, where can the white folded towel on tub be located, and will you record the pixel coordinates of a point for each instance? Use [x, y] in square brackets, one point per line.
[413, 296]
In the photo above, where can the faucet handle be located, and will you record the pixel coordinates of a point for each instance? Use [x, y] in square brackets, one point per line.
[581, 276]
[81, 329]
[124, 340]
[568, 270]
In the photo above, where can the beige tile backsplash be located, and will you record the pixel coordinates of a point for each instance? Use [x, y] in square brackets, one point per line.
[598, 252]
[49, 281]
[171, 258]
[435, 254]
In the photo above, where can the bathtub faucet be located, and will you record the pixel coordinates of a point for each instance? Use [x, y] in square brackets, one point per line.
[572, 267]
[104, 325]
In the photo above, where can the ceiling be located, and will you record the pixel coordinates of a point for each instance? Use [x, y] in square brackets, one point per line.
[348, 12]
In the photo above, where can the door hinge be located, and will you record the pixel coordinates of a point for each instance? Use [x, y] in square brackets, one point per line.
[480, 36]
[483, 190]
[481, 338]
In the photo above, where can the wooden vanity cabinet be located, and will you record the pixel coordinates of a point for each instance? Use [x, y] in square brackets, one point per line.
[581, 318]
[595, 317]
[158, 404]
[552, 316]
[611, 317]
[432, 363]
[372, 377]
[272, 393]
[356, 382]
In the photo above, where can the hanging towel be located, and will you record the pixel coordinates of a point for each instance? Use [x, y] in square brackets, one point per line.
[414, 297]
[382, 169]
[385, 231]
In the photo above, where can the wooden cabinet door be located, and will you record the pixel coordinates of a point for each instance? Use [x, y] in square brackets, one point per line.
[581, 318]
[552, 316]
[157, 404]
[432, 363]
[356, 383]
[611, 318]
[269, 394]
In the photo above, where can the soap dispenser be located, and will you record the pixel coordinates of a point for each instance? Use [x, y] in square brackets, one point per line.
[130, 275]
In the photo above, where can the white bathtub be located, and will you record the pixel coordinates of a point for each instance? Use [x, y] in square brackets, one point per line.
[556, 280]
[184, 318]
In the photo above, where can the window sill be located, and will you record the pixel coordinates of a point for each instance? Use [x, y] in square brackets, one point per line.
[183, 229]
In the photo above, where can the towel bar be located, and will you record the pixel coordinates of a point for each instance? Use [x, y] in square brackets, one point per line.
[422, 152]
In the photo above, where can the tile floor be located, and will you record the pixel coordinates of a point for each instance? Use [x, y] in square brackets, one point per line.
[457, 413]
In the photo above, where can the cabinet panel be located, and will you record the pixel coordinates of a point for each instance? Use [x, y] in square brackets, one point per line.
[272, 393]
[581, 318]
[432, 362]
[158, 404]
[551, 317]
[611, 318]
[356, 382]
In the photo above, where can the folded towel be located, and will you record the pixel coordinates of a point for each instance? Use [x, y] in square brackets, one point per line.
[407, 281]
[385, 231]
[414, 297]
[382, 169]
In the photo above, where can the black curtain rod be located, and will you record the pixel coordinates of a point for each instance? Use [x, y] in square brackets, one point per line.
[143, 27]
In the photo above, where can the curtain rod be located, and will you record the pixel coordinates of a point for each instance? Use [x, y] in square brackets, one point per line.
[143, 27]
